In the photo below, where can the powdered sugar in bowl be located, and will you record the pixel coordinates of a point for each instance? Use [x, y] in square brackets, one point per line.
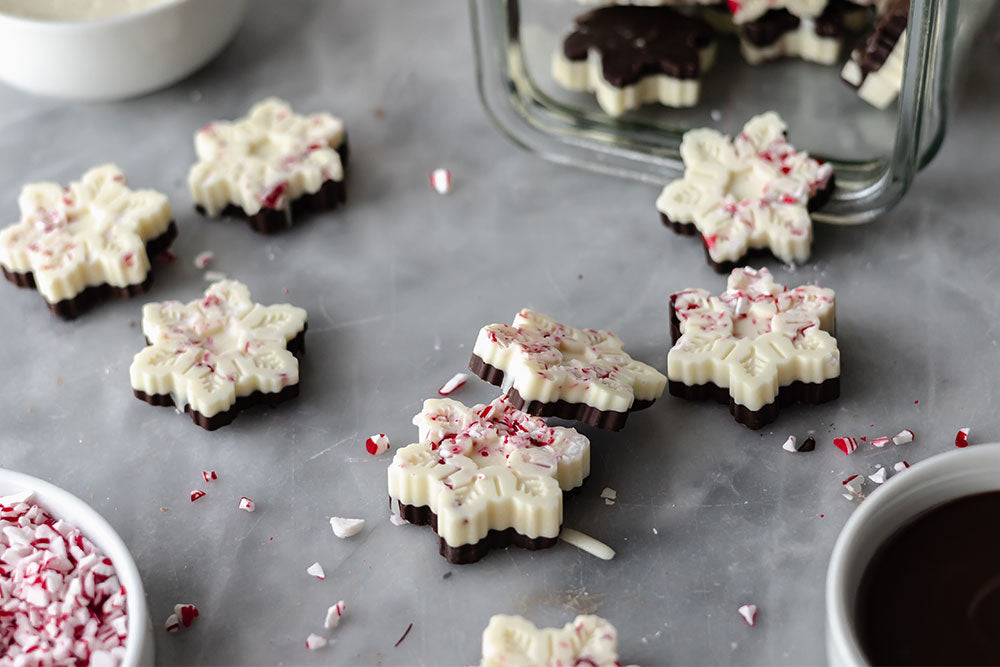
[65, 575]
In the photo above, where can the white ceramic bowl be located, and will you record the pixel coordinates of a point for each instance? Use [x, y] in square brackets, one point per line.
[64, 505]
[117, 57]
[929, 483]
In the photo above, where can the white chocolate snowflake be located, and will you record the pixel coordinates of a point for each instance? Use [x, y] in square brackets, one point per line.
[545, 361]
[754, 338]
[514, 641]
[267, 159]
[92, 233]
[489, 467]
[208, 353]
[744, 11]
[751, 192]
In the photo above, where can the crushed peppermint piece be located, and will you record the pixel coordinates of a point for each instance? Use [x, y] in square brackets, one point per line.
[903, 437]
[344, 528]
[441, 181]
[316, 570]
[397, 520]
[609, 494]
[880, 442]
[186, 612]
[749, 614]
[789, 445]
[209, 475]
[172, 624]
[854, 484]
[962, 437]
[314, 642]
[202, 259]
[377, 444]
[808, 445]
[454, 383]
[196, 494]
[247, 505]
[846, 445]
[901, 466]
[878, 476]
[334, 614]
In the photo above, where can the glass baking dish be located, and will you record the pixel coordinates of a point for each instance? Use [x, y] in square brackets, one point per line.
[875, 152]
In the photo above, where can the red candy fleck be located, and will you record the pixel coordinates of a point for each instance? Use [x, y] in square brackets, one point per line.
[209, 475]
[129, 259]
[962, 437]
[186, 613]
[272, 198]
[846, 445]
[196, 494]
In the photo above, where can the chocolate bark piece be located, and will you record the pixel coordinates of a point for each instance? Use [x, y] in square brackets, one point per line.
[470, 553]
[890, 25]
[91, 296]
[780, 33]
[770, 27]
[296, 346]
[608, 420]
[636, 42]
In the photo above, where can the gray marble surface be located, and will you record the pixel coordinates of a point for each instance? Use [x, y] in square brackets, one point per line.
[397, 285]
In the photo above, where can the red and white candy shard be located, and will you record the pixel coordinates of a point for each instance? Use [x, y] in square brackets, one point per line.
[197, 494]
[514, 640]
[334, 614]
[441, 181]
[854, 484]
[91, 233]
[880, 442]
[316, 570]
[846, 445]
[789, 445]
[749, 614]
[247, 505]
[878, 476]
[547, 361]
[301, 157]
[755, 337]
[745, 193]
[209, 352]
[344, 528]
[962, 437]
[508, 468]
[209, 476]
[377, 444]
[61, 602]
[186, 612]
[314, 641]
[454, 383]
[901, 466]
[173, 624]
[903, 437]
[202, 259]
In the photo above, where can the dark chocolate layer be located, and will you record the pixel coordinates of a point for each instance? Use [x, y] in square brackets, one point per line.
[91, 296]
[636, 42]
[872, 53]
[470, 553]
[296, 346]
[608, 420]
[689, 229]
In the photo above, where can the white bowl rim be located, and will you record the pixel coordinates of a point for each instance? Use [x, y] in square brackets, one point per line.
[63, 25]
[87, 515]
[839, 627]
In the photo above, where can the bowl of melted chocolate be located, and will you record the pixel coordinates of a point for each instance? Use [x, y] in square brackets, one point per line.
[914, 578]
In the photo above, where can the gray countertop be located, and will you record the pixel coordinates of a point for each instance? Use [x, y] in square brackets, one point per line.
[397, 285]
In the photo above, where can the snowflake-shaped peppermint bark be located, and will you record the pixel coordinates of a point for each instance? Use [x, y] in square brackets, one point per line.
[755, 346]
[486, 476]
[554, 370]
[219, 354]
[88, 241]
[752, 192]
[269, 165]
[514, 640]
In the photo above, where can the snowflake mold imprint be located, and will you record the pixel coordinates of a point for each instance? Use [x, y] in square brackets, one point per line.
[553, 370]
[88, 242]
[749, 193]
[757, 346]
[514, 640]
[269, 166]
[486, 477]
[219, 354]
[631, 55]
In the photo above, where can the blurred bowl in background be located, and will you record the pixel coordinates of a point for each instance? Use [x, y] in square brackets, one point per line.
[117, 57]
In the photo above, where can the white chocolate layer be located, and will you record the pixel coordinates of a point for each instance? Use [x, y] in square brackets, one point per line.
[547, 361]
[803, 42]
[92, 233]
[268, 158]
[881, 87]
[514, 641]
[755, 338]
[749, 192]
[489, 467]
[588, 76]
[209, 352]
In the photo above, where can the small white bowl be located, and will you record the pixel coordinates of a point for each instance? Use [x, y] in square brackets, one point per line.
[925, 485]
[64, 505]
[117, 57]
